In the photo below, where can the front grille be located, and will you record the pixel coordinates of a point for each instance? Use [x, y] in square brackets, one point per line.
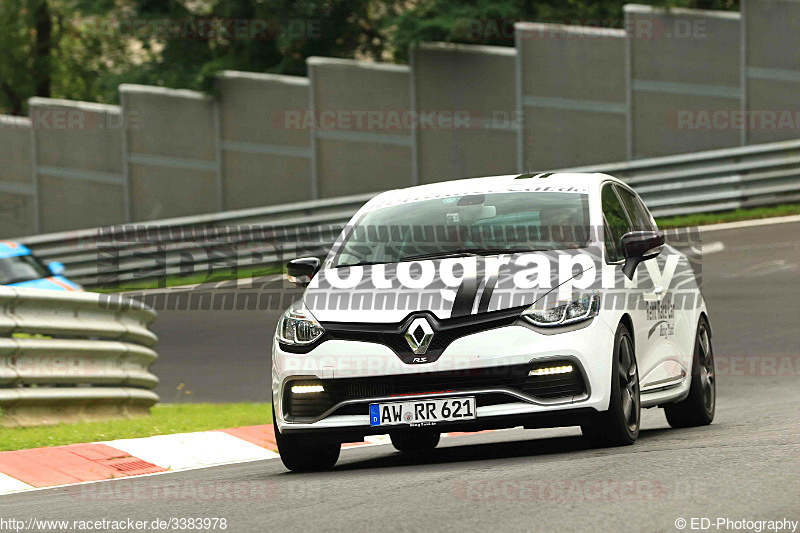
[444, 331]
[513, 377]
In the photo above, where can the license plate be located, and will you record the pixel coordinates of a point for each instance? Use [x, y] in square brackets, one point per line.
[422, 412]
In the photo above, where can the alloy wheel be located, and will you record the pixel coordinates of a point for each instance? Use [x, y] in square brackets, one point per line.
[629, 384]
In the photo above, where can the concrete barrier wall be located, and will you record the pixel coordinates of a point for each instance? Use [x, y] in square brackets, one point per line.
[772, 68]
[363, 139]
[573, 96]
[565, 96]
[266, 158]
[17, 186]
[684, 67]
[78, 164]
[465, 97]
[172, 162]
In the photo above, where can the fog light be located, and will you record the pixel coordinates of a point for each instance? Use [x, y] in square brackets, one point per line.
[306, 389]
[548, 371]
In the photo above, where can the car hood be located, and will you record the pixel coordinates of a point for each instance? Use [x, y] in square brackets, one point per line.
[447, 288]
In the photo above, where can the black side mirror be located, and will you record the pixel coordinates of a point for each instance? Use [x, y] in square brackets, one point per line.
[301, 270]
[640, 246]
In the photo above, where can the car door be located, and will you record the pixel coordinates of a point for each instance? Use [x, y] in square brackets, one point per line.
[657, 335]
[639, 292]
[618, 223]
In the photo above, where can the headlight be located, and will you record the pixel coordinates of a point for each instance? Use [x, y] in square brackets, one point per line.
[547, 312]
[298, 326]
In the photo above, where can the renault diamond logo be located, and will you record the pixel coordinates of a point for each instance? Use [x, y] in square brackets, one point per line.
[419, 335]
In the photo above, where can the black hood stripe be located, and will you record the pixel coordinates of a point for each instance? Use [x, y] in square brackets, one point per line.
[486, 297]
[465, 297]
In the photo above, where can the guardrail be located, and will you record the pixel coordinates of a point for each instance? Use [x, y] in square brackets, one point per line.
[243, 238]
[716, 180]
[73, 356]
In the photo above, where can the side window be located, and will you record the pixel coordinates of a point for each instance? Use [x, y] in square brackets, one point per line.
[613, 251]
[637, 212]
[646, 213]
[616, 222]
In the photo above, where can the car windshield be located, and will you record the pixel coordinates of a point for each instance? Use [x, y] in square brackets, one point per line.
[503, 222]
[21, 268]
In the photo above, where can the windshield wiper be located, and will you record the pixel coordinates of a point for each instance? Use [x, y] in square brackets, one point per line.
[362, 263]
[442, 254]
[467, 251]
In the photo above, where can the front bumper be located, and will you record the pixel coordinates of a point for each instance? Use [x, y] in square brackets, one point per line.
[344, 362]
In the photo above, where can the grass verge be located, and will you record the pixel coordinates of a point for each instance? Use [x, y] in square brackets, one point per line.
[703, 219]
[165, 419]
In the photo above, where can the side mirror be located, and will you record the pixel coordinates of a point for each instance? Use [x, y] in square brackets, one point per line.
[56, 268]
[640, 246]
[301, 270]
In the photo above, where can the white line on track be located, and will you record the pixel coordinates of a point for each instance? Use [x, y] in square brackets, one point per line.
[708, 248]
[749, 223]
[9, 484]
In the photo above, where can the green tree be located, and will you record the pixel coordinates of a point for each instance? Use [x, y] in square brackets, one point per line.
[491, 21]
[83, 49]
[295, 30]
[53, 48]
[16, 64]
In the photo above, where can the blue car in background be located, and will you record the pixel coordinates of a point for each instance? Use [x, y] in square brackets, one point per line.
[20, 268]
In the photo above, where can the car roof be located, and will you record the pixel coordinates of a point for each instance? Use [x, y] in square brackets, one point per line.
[12, 249]
[579, 182]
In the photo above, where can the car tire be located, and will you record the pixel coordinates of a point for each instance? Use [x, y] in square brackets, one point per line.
[414, 442]
[619, 426]
[698, 408]
[304, 453]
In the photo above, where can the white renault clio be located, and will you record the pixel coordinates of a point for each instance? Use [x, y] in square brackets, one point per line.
[539, 300]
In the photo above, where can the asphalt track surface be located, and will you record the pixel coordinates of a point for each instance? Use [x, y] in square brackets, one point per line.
[745, 466]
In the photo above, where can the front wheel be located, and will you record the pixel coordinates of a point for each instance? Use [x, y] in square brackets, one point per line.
[698, 408]
[619, 426]
[305, 453]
